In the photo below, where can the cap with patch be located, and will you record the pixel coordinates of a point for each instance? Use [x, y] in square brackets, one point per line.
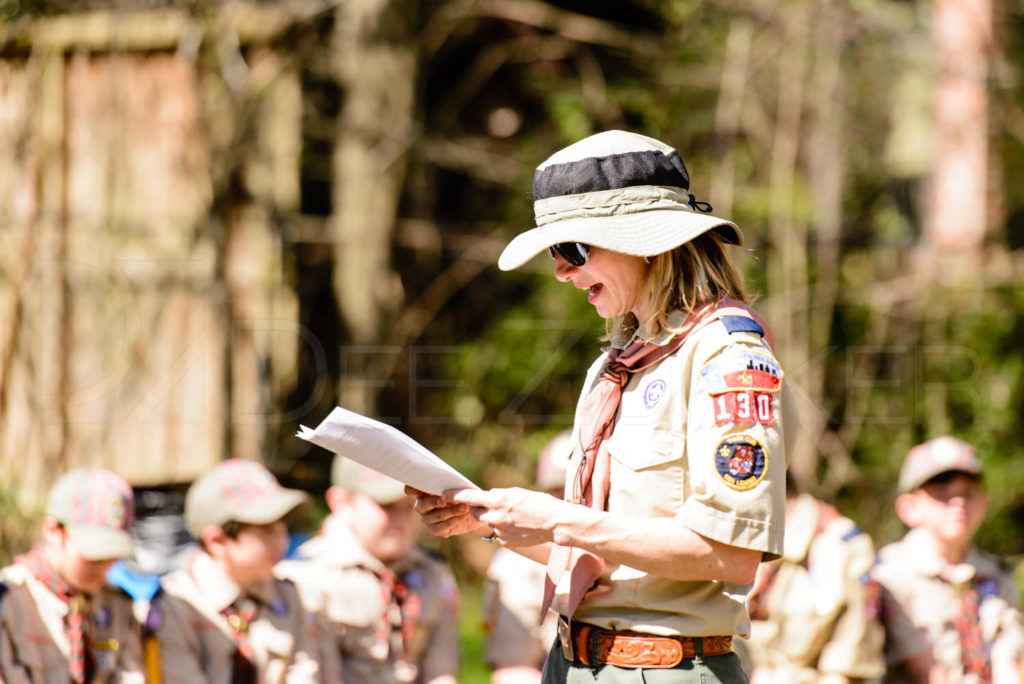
[616, 190]
[240, 490]
[937, 456]
[96, 507]
[354, 477]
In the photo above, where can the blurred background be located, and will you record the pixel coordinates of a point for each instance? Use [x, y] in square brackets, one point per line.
[218, 220]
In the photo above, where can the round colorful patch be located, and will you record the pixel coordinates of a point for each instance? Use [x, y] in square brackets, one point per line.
[741, 461]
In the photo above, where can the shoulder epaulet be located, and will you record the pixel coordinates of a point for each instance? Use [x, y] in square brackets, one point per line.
[735, 324]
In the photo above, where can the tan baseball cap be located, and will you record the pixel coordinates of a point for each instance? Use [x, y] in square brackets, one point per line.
[96, 507]
[354, 477]
[937, 456]
[240, 490]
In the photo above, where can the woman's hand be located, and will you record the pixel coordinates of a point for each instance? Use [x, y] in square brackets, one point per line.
[519, 517]
[443, 517]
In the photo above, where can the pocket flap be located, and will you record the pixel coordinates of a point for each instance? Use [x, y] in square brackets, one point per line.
[638, 448]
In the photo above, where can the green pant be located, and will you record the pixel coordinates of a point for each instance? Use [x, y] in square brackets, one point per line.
[720, 669]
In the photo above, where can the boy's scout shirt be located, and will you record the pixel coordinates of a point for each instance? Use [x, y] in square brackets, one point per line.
[190, 617]
[34, 645]
[392, 623]
[817, 609]
[929, 590]
[512, 599]
[698, 437]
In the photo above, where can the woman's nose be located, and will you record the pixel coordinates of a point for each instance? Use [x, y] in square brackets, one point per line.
[563, 269]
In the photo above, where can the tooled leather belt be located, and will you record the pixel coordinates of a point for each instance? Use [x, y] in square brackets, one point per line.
[590, 645]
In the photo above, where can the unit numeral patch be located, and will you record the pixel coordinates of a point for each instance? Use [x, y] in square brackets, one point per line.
[744, 408]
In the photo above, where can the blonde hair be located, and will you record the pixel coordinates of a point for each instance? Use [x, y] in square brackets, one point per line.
[696, 273]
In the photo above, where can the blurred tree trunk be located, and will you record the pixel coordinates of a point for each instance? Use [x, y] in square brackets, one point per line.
[956, 214]
[376, 60]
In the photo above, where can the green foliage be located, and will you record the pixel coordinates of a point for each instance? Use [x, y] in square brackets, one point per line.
[472, 639]
[18, 526]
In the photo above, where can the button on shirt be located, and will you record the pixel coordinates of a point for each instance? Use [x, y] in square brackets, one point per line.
[929, 590]
[197, 643]
[380, 641]
[672, 453]
[34, 645]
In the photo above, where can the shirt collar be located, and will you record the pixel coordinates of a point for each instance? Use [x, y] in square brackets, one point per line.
[925, 555]
[220, 589]
[338, 545]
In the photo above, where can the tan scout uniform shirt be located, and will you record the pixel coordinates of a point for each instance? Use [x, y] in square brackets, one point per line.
[196, 640]
[715, 462]
[34, 645]
[821, 606]
[929, 590]
[342, 581]
[513, 594]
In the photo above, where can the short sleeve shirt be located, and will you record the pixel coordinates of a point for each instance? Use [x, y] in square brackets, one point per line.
[700, 437]
[929, 590]
[198, 644]
[821, 608]
[34, 645]
[512, 601]
[381, 640]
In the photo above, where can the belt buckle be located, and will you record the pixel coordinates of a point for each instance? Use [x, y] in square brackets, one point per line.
[565, 637]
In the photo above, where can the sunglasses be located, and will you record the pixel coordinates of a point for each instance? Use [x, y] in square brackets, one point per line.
[575, 253]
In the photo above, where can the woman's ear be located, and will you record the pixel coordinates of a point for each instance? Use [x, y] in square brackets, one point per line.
[908, 509]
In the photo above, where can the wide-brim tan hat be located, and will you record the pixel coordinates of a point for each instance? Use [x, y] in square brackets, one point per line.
[616, 190]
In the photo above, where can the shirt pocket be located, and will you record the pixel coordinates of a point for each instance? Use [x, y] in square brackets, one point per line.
[647, 471]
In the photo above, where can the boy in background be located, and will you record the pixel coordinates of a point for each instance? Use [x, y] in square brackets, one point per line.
[962, 600]
[814, 612]
[224, 618]
[59, 618]
[392, 604]
[518, 640]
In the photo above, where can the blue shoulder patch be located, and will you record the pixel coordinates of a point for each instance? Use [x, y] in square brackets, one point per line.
[736, 324]
[854, 532]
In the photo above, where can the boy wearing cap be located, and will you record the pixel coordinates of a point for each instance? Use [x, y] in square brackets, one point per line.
[962, 600]
[392, 605]
[59, 618]
[224, 617]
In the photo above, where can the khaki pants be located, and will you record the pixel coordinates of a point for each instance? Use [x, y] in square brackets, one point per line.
[721, 669]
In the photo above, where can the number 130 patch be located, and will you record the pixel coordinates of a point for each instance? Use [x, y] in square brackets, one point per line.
[744, 407]
[742, 386]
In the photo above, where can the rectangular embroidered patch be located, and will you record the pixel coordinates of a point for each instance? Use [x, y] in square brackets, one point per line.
[742, 372]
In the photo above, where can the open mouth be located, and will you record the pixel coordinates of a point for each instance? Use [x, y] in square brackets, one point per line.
[593, 291]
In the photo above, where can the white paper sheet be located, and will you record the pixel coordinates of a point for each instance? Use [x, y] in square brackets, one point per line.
[385, 449]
